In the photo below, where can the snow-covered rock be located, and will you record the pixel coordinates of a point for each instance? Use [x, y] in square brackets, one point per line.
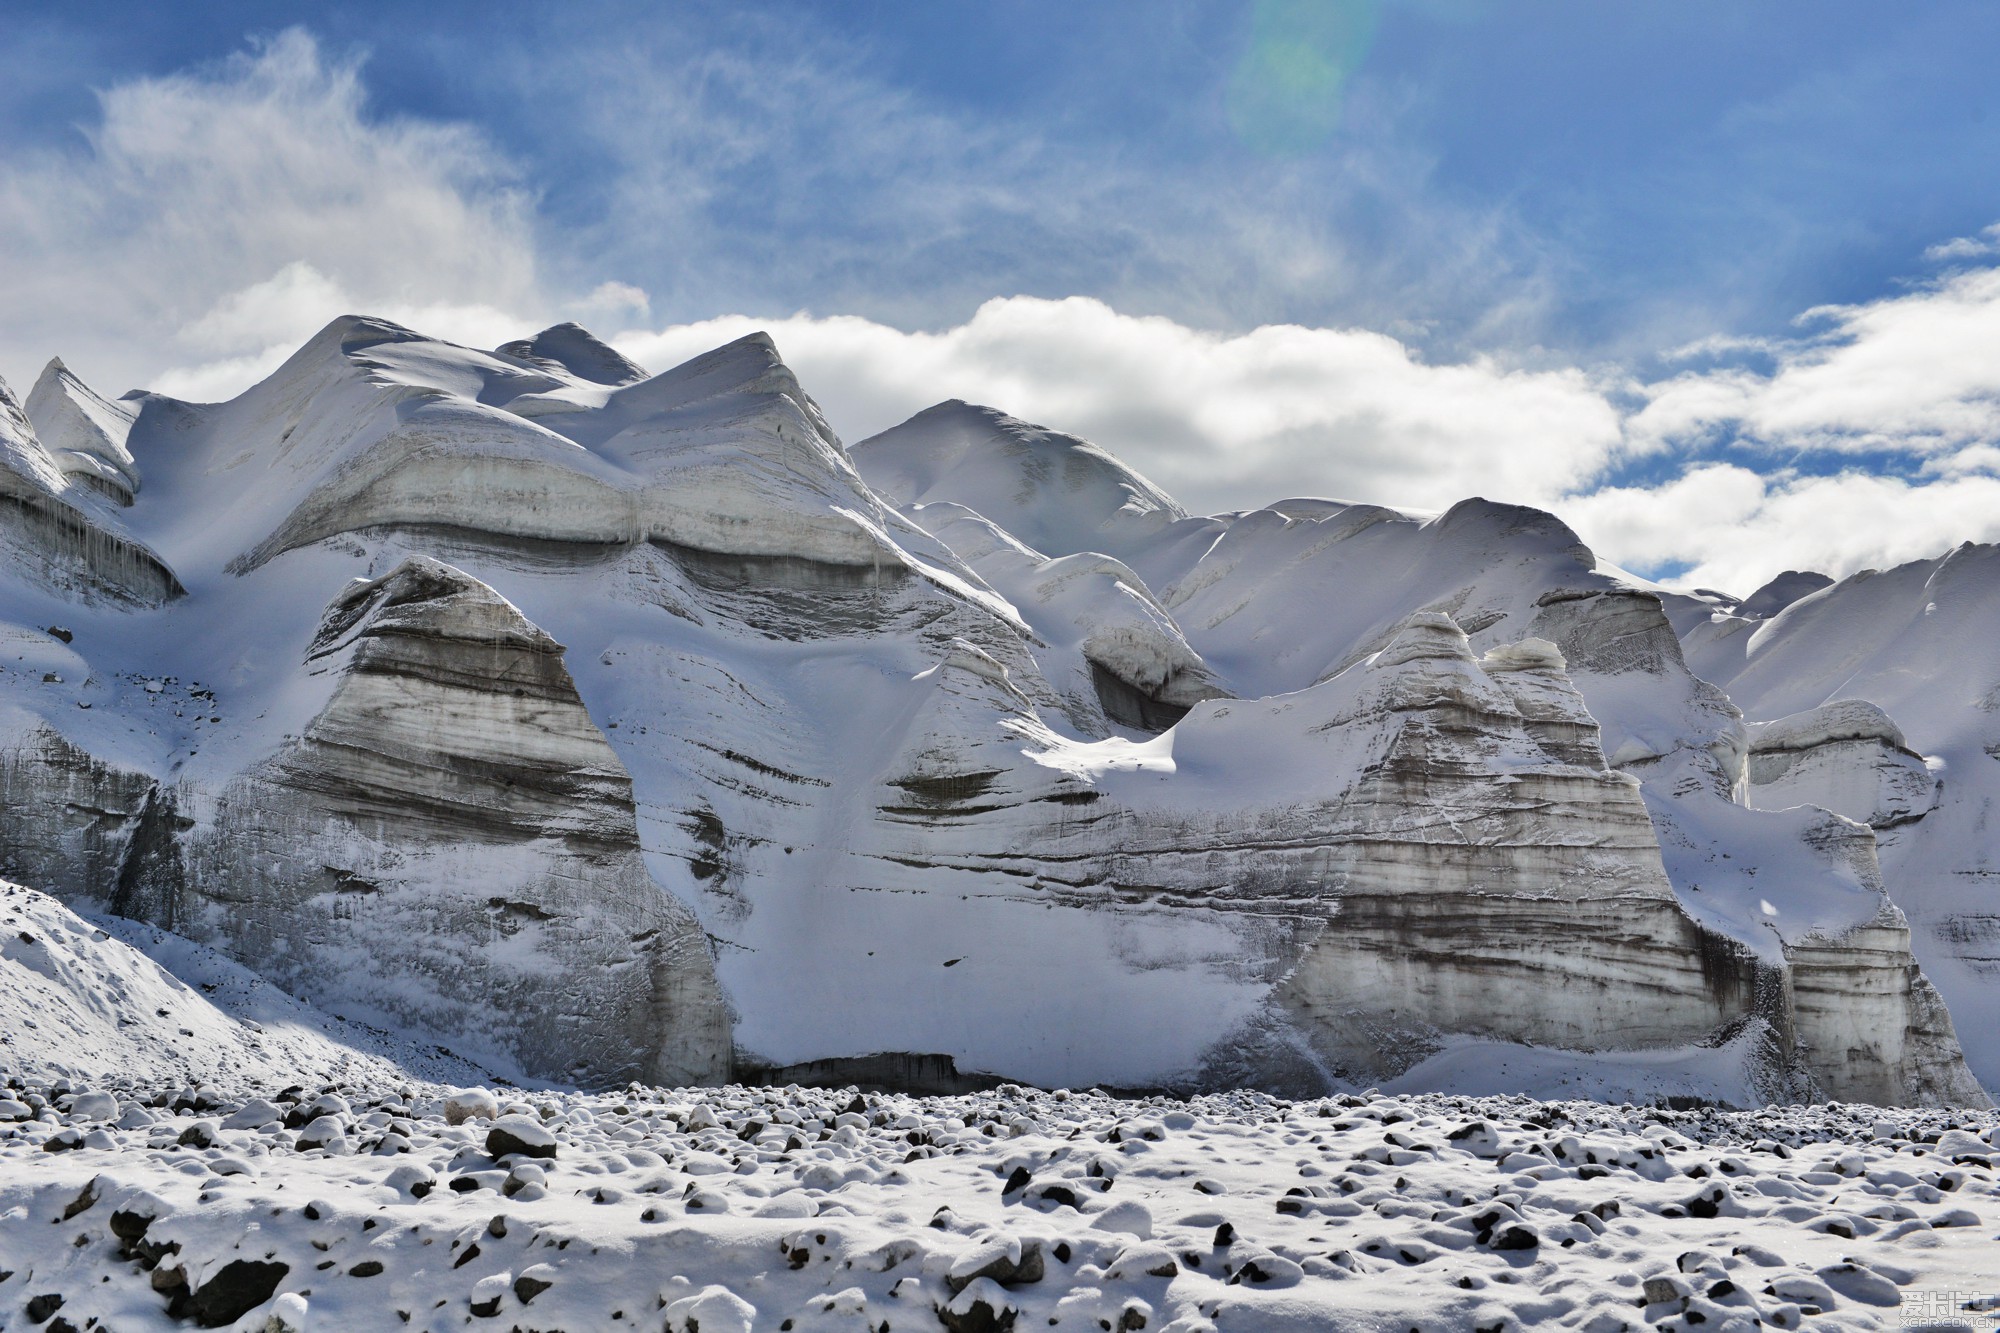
[1227, 1211]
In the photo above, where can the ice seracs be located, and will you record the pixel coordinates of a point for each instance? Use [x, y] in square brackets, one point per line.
[59, 531]
[85, 432]
[1914, 643]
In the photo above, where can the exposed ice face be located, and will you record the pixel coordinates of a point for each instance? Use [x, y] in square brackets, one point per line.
[1847, 756]
[450, 845]
[645, 697]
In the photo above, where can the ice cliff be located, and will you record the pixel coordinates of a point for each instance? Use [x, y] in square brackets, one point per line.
[604, 726]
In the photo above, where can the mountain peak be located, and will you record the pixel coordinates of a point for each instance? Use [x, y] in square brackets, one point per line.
[1059, 493]
[575, 349]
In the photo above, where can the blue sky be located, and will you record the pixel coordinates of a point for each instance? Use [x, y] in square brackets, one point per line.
[1561, 198]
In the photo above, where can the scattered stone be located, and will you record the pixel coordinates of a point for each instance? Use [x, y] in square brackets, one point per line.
[518, 1136]
[238, 1287]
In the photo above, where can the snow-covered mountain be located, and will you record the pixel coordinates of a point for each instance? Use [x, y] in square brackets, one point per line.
[604, 726]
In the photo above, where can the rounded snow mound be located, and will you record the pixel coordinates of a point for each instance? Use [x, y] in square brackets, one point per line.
[1527, 655]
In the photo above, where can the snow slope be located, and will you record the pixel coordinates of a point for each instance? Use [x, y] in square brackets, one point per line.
[115, 1001]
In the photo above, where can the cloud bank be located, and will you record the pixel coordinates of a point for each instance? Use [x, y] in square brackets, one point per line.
[1222, 421]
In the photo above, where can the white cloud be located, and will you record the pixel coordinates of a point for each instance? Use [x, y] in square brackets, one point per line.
[1738, 528]
[1229, 420]
[1219, 420]
[130, 254]
[1987, 242]
[1916, 373]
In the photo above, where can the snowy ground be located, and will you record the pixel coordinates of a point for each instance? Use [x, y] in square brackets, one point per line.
[736, 1209]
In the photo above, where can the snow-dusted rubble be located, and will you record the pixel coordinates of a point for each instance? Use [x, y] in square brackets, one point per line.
[606, 726]
[358, 1206]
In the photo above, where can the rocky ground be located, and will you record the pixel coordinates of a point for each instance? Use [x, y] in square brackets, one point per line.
[727, 1210]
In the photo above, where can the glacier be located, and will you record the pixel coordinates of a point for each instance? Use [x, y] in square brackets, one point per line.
[602, 726]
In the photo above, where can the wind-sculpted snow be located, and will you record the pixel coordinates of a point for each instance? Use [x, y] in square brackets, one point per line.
[1848, 757]
[56, 524]
[604, 726]
[84, 432]
[1058, 494]
[357, 1206]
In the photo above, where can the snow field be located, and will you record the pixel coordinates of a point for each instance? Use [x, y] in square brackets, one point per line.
[733, 1209]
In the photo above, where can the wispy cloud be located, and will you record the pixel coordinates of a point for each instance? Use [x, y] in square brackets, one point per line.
[213, 216]
[777, 166]
[1987, 242]
[1916, 373]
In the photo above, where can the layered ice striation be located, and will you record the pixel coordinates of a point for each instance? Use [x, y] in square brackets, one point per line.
[605, 726]
[451, 844]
